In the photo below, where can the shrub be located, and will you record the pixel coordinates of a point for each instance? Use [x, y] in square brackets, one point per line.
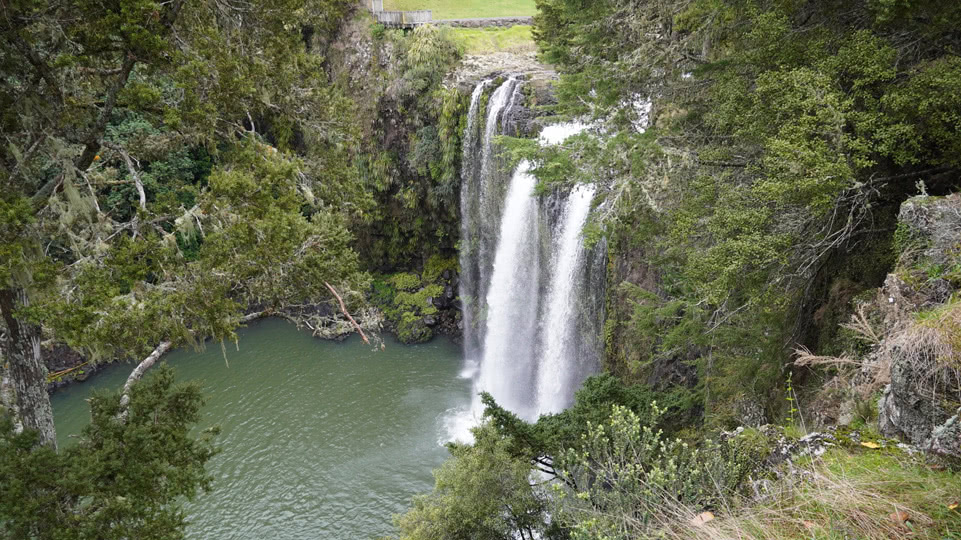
[404, 281]
[436, 265]
[411, 328]
[628, 478]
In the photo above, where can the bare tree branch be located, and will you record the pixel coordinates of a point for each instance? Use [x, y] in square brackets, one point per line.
[133, 172]
[343, 308]
[151, 359]
[138, 373]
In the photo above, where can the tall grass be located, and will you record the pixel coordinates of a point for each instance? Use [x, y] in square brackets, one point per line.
[842, 495]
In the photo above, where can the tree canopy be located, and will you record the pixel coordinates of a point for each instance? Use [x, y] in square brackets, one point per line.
[165, 167]
[119, 480]
[757, 153]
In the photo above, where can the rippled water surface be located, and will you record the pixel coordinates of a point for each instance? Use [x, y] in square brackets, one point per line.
[320, 439]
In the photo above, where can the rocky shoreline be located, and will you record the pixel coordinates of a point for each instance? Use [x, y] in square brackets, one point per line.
[66, 366]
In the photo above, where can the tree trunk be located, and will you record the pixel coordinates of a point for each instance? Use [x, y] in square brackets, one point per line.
[8, 398]
[28, 375]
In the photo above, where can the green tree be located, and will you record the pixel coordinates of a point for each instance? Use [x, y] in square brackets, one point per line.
[481, 493]
[542, 442]
[120, 480]
[164, 166]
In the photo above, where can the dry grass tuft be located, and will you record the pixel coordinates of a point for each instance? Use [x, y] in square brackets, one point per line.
[861, 325]
[931, 346]
[929, 343]
[937, 334]
[870, 497]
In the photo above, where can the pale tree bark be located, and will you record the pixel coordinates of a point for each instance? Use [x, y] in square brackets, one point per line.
[133, 173]
[8, 398]
[137, 374]
[151, 359]
[28, 375]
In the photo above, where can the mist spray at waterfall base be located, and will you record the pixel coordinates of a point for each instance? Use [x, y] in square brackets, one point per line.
[530, 305]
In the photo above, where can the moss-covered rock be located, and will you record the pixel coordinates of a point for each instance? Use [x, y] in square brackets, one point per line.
[417, 306]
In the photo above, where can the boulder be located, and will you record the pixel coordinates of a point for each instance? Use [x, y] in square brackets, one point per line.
[934, 224]
[912, 407]
[946, 438]
[445, 300]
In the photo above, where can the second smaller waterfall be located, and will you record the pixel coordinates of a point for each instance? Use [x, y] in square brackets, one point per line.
[558, 371]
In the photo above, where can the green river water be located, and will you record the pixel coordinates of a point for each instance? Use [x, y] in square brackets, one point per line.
[320, 440]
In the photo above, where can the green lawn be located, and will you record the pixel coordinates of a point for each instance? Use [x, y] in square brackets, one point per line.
[516, 39]
[465, 9]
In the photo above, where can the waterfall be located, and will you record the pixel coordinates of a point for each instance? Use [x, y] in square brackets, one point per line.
[492, 188]
[482, 199]
[470, 273]
[508, 364]
[532, 305]
[559, 366]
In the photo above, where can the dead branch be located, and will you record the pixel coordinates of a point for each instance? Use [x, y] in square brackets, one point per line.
[133, 172]
[806, 358]
[343, 308]
[55, 374]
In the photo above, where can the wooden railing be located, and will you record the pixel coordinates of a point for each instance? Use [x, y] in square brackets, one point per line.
[403, 19]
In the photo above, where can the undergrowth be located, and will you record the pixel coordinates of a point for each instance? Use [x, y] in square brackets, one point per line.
[847, 494]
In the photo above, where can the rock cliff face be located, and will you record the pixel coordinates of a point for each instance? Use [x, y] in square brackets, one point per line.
[922, 402]
[477, 67]
[913, 328]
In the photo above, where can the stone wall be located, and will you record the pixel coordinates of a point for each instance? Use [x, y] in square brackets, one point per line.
[486, 22]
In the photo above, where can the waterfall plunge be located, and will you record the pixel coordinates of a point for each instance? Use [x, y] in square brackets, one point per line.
[559, 368]
[508, 359]
[528, 303]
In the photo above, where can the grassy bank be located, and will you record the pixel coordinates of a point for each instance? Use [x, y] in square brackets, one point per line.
[465, 9]
[516, 39]
[870, 494]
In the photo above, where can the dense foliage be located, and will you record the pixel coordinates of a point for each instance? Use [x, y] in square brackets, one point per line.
[119, 480]
[605, 468]
[166, 166]
[412, 160]
[752, 156]
[413, 304]
[760, 187]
